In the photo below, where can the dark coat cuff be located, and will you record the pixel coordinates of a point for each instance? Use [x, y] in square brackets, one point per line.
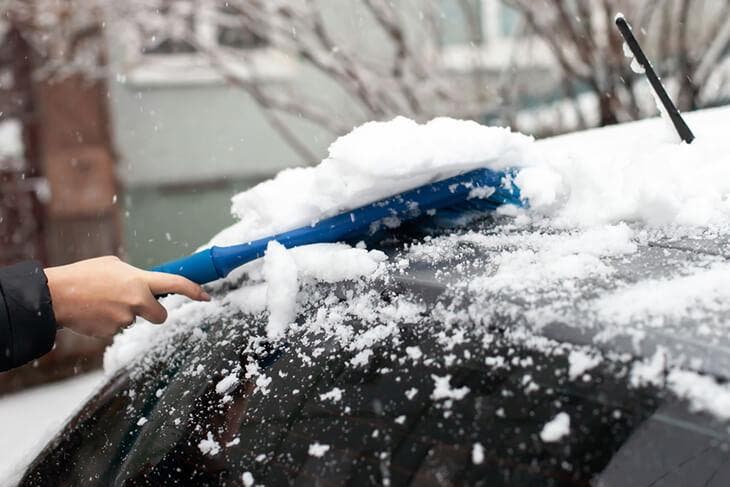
[27, 323]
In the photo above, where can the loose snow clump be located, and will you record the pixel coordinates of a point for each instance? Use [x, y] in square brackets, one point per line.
[443, 390]
[477, 454]
[556, 429]
[280, 272]
[209, 446]
[581, 362]
[318, 450]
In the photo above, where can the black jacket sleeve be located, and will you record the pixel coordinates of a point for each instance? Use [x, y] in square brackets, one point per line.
[27, 324]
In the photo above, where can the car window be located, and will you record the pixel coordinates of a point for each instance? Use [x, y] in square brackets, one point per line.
[302, 412]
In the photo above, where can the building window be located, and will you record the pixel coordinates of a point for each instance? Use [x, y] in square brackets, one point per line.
[461, 22]
[483, 34]
[175, 46]
[230, 32]
[477, 22]
[171, 30]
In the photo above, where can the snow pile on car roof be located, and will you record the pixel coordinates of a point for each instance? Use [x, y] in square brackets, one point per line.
[374, 161]
[635, 172]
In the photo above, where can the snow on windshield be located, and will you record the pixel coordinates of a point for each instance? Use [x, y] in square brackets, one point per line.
[576, 255]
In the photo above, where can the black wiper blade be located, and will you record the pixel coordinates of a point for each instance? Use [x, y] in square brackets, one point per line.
[679, 124]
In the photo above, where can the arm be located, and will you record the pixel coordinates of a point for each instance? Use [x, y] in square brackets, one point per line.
[27, 325]
[93, 297]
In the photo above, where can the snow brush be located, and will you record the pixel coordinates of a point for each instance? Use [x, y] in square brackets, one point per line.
[480, 190]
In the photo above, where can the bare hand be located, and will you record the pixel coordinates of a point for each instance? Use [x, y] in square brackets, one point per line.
[99, 296]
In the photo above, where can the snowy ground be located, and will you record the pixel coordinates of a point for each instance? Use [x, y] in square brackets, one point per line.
[30, 418]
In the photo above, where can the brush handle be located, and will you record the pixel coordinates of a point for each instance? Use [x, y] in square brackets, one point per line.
[198, 267]
[456, 192]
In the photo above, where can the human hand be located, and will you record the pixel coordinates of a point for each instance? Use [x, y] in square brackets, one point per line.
[99, 296]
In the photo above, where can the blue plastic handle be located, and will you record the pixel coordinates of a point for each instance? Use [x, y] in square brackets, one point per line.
[217, 262]
[198, 267]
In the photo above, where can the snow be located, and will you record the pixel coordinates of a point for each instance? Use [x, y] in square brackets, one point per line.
[11, 141]
[280, 272]
[374, 161]
[414, 352]
[443, 390]
[336, 262]
[209, 446]
[249, 299]
[477, 454]
[481, 193]
[525, 261]
[580, 362]
[362, 358]
[636, 66]
[226, 384]
[633, 173]
[133, 342]
[247, 479]
[556, 428]
[656, 301]
[593, 199]
[605, 176]
[318, 450]
[274, 286]
[49, 406]
[262, 384]
[703, 392]
[650, 371]
[335, 395]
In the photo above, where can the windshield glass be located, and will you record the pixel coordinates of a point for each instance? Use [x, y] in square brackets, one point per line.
[409, 378]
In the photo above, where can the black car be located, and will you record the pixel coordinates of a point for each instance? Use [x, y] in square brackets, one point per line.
[417, 376]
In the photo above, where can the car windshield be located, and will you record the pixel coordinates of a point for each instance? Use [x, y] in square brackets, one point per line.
[405, 379]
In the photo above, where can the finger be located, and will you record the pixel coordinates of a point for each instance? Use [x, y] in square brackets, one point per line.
[162, 283]
[152, 311]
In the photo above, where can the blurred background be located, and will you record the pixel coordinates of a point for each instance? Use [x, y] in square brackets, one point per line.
[126, 126]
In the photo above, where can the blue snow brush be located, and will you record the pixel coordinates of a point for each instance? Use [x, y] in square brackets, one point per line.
[480, 190]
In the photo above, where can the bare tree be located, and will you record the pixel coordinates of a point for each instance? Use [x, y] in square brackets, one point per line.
[65, 34]
[400, 75]
[686, 38]
[396, 69]
[397, 74]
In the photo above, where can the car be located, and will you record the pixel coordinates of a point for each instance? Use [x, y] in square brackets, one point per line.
[495, 352]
